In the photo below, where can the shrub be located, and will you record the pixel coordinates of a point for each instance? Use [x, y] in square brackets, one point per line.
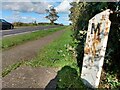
[68, 79]
[80, 15]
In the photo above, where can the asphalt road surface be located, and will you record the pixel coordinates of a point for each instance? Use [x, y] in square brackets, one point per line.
[11, 32]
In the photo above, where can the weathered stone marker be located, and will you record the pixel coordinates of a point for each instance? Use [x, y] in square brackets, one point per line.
[95, 47]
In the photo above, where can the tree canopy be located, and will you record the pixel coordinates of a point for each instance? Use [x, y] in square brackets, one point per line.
[52, 14]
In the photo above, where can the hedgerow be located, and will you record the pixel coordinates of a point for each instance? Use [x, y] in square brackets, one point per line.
[80, 14]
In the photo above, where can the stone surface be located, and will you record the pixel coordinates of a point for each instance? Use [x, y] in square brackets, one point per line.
[95, 47]
[29, 77]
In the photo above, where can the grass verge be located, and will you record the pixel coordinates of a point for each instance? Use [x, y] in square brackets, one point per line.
[10, 68]
[8, 42]
[56, 54]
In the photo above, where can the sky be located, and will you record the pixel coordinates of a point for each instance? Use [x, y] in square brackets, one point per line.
[30, 11]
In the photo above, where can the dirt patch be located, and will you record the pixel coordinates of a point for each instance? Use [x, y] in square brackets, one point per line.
[27, 50]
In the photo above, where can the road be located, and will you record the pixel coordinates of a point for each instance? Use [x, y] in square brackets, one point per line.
[24, 30]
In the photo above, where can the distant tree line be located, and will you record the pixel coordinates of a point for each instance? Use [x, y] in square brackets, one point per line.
[33, 24]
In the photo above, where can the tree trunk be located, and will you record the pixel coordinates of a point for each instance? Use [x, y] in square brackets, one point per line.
[52, 22]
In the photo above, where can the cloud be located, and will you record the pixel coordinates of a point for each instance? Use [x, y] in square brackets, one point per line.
[15, 17]
[37, 7]
[64, 6]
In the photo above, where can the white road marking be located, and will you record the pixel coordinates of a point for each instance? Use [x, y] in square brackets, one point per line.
[5, 30]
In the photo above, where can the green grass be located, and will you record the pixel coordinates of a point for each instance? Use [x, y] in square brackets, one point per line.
[8, 42]
[10, 68]
[56, 54]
